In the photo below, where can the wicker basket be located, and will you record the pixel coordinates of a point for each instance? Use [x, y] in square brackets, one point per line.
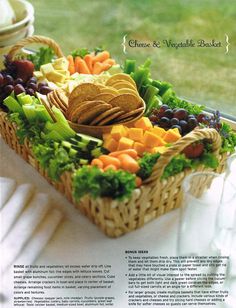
[154, 198]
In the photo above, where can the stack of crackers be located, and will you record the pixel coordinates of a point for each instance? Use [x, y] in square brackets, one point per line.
[115, 101]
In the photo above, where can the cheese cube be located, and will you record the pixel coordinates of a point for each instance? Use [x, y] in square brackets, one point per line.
[61, 64]
[151, 140]
[110, 144]
[125, 144]
[160, 149]
[136, 134]
[56, 77]
[158, 131]
[118, 131]
[171, 136]
[143, 123]
[47, 68]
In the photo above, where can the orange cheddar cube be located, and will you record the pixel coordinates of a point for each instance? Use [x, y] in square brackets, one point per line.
[160, 149]
[125, 144]
[171, 136]
[140, 148]
[152, 140]
[143, 123]
[158, 131]
[110, 144]
[136, 134]
[118, 131]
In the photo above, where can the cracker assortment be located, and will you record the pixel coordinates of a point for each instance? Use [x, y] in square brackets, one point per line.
[115, 101]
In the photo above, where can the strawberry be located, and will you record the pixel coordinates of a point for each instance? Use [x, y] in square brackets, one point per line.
[194, 150]
[24, 69]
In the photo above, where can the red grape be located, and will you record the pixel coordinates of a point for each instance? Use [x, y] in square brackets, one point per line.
[8, 80]
[45, 90]
[18, 81]
[33, 86]
[1, 79]
[177, 126]
[174, 121]
[168, 113]
[181, 114]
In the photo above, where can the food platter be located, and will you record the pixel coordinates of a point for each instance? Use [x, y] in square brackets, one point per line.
[114, 141]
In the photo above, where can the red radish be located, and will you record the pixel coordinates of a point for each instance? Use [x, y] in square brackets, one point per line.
[24, 69]
[194, 150]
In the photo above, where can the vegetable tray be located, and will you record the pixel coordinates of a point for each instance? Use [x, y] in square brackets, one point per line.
[153, 199]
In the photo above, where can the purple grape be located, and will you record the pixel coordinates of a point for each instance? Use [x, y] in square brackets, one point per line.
[42, 84]
[164, 122]
[33, 80]
[174, 121]
[181, 114]
[192, 123]
[8, 89]
[168, 113]
[8, 80]
[1, 79]
[191, 116]
[18, 81]
[30, 91]
[33, 86]
[18, 89]
[45, 90]
[183, 124]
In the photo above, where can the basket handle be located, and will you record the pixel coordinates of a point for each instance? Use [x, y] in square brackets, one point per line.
[32, 40]
[180, 145]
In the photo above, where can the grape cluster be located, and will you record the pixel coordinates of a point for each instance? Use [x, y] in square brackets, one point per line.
[9, 84]
[167, 118]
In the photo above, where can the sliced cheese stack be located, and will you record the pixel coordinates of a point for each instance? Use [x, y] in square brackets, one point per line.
[143, 137]
[56, 72]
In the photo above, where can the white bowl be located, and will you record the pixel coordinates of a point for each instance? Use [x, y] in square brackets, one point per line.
[24, 15]
[16, 36]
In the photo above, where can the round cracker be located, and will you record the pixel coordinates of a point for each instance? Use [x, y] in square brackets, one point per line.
[53, 102]
[104, 115]
[58, 101]
[120, 76]
[80, 109]
[123, 84]
[128, 91]
[93, 112]
[127, 102]
[110, 118]
[109, 90]
[86, 90]
[106, 97]
[131, 113]
[62, 97]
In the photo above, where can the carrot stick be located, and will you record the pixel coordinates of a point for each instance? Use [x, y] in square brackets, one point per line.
[77, 59]
[128, 163]
[82, 67]
[131, 152]
[101, 56]
[110, 167]
[108, 160]
[98, 68]
[89, 61]
[110, 61]
[97, 162]
[105, 66]
[71, 67]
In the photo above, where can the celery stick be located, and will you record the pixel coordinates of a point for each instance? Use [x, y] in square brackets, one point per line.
[129, 66]
[25, 99]
[167, 95]
[29, 111]
[42, 114]
[149, 94]
[59, 115]
[61, 128]
[53, 135]
[12, 105]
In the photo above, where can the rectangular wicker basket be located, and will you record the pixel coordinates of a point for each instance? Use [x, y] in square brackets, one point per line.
[156, 197]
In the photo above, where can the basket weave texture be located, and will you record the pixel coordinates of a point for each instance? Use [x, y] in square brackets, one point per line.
[154, 198]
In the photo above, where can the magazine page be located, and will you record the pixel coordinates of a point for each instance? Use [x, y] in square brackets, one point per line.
[118, 139]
